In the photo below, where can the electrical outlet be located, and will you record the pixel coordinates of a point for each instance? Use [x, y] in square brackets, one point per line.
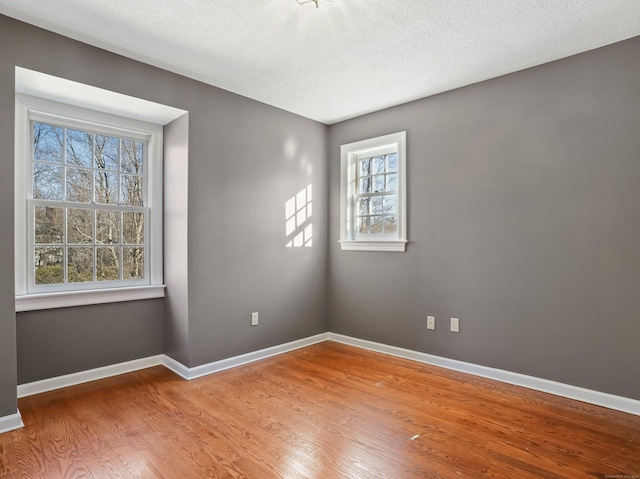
[431, 322]
[254, 319]
[455, 325]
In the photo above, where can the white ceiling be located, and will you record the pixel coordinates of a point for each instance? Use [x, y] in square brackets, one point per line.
[346, 58]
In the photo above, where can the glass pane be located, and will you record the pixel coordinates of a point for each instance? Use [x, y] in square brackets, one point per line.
[108, 264]
[47, 142]
[378, 165]
[365, 185]
[133, 228]
[131, 190]
[133, 263]
[390, 224]
[363, 225]
[106, 188]
[392, 182]
[132, 154]
[363, 206]
[79, 185]
[107, 227]
[390, 204]
[392, 163]
[79, 148]
[376, 225]
[107, 149]
[49, 223]
[80, 265]
[79, 226]
[365, 167]
[376, 205]
[49, 266]
[378, 183]
[47, 182]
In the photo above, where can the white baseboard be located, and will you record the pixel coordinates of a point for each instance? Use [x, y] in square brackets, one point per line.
[37, 387]
[11, 422]
[175, 366]
[619, 403]
[217, 366]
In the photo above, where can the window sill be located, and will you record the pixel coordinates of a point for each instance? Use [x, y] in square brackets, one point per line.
[33, 302]
[388, 246]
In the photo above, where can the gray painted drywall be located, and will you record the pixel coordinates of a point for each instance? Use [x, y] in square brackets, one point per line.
[176, 253]
[523, 196]
[254, 159]
[67, 340]
[245, 160]
[7, 291]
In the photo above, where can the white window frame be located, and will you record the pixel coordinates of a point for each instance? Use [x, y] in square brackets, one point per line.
[31, 297]
[349, 155]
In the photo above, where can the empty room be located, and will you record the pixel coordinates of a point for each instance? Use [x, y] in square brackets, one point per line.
[320, 239]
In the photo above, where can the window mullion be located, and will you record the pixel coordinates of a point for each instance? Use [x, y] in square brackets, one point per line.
[64, 166]
[95, 242]
[65, 249]
[120, 245]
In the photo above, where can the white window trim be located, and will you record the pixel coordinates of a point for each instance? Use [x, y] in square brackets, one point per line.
[153, 287]
[33, 302]
[348, 159]
[28, 108]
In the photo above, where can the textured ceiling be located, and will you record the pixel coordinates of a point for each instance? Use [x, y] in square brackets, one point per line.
[346, 58]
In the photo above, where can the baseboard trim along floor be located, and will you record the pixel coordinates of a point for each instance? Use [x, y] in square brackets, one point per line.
[37, 387]
[217, 366]
[11, 422]
[610, 401]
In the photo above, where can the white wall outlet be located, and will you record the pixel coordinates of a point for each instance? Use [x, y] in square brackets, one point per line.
[455, 325]
[431, 322]
[254, 319]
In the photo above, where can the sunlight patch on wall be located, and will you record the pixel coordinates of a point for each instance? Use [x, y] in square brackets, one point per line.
[298, 226]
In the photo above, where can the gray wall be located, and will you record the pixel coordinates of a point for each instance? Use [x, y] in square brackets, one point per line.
[7, 290]
[523, 196]
[253, 160]
[245, 160]
[176, 231]
[67, 340]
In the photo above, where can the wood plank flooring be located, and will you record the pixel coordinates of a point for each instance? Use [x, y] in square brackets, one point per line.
[326, 411]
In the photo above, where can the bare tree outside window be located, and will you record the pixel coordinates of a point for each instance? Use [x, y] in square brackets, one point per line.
[89, 211]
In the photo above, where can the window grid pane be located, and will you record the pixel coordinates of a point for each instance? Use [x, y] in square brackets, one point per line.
[81, 166]
[112, 241]
[376, 195]
[80, 239]
[49, 265]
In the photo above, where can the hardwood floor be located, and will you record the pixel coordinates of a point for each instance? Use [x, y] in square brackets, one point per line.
[326, 411]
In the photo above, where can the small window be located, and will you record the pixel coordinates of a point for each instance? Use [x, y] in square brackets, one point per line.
[373, 216]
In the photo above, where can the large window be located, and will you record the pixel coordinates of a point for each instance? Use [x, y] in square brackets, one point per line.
[373, 194]
[88, 205]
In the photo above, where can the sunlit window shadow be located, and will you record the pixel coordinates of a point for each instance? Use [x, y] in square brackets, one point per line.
[298, 225]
